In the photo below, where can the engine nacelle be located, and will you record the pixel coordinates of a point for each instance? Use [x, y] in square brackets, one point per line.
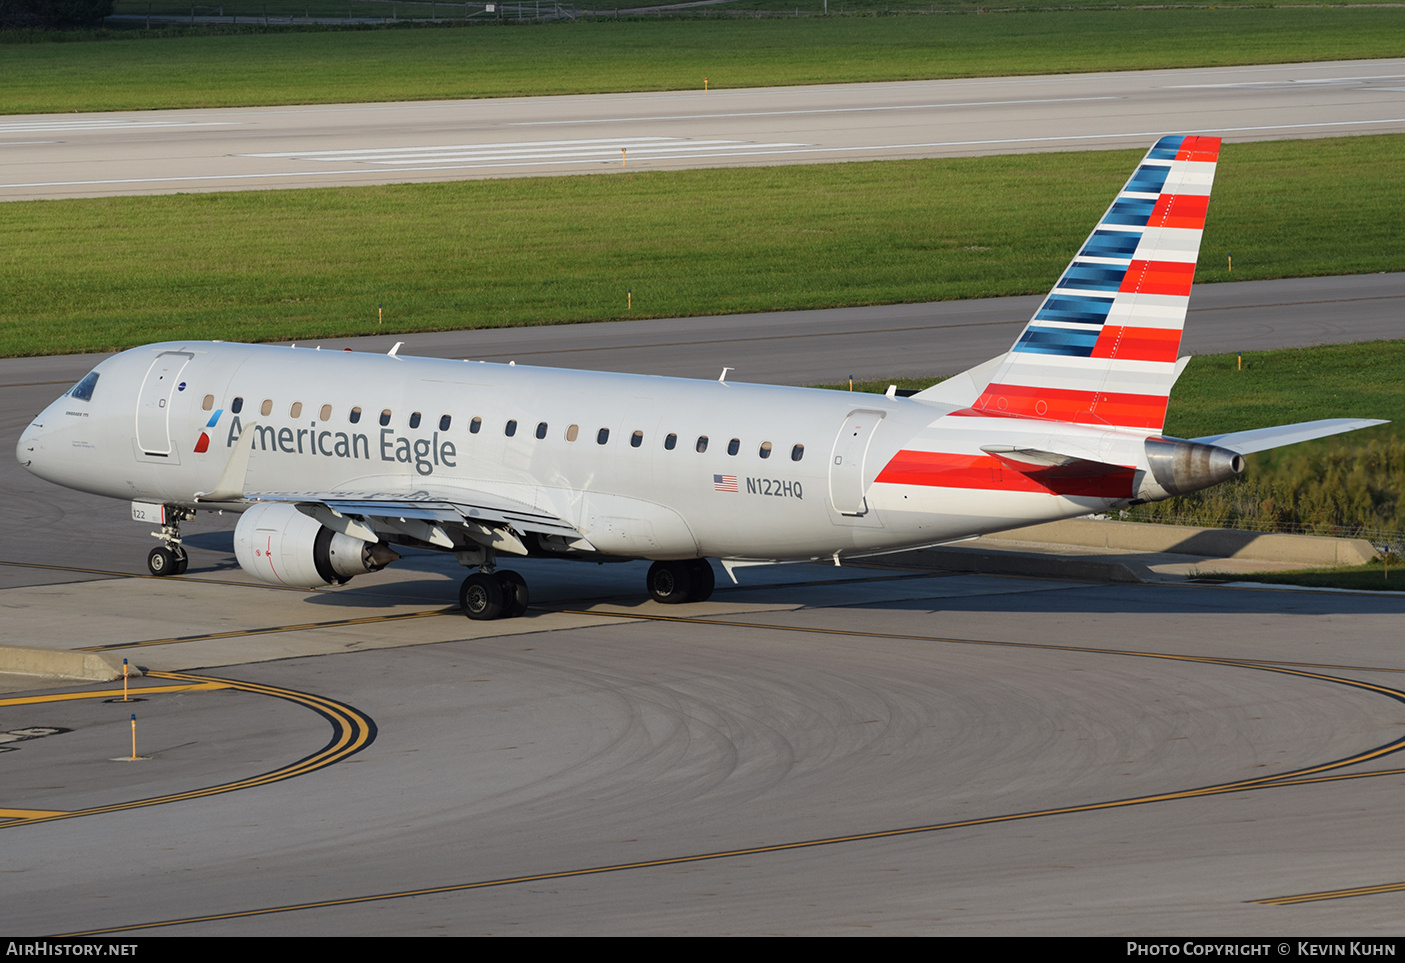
[1179, 467]
[276, 543]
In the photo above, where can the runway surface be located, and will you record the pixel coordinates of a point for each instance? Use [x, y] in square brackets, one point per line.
[822, 752]
[157, 152]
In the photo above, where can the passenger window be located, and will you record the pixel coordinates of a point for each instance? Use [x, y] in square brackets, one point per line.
[636, 439]
[602, 436]
[414, 419]
[797, 453]
[572, 432]
[702, 444]
[444, 422]
[236, 406]
[541, 429]
[385, 417]
[511, 428]
[295, 410]
[326, 413]
[734, 446]
[355, 416]
[670, 442]
[765, 449]
[209, 403]
[266, 408]
[474, 425]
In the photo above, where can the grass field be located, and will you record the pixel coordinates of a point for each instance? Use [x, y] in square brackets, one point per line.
[256, 10]
[1378, 576]
[418, 63]
[106, 273]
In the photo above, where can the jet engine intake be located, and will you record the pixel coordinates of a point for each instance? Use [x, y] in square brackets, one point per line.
[276, 543]
[1179, 467]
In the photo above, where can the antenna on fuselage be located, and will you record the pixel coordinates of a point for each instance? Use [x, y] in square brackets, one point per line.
[392, 351]
[722, 378]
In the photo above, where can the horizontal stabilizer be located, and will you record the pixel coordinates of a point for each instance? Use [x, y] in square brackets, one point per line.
[1262, 439]
[1050, 464]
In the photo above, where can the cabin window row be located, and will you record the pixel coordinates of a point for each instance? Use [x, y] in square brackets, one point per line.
[636, 439]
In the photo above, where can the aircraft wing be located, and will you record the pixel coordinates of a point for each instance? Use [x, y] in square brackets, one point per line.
[1262, 439]
[431, 516]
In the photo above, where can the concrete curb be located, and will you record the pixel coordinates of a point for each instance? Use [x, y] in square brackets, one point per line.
[1203, 542]
[60, 664]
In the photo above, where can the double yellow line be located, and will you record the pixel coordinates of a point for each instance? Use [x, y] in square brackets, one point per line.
[352, 731]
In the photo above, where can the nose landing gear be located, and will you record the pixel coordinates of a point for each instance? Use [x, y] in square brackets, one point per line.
[170, 558]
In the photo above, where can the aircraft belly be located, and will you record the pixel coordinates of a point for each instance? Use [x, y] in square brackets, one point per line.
[920, 514]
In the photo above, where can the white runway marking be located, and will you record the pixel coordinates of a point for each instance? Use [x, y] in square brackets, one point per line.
[815, 110]
[526, 153]
[103, 124]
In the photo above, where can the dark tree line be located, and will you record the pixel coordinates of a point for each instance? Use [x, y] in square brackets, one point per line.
[52, 13]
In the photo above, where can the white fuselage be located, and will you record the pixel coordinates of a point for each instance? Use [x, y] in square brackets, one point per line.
[785, 472]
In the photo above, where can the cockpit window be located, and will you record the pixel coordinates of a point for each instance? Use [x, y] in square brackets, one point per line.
[83, 390]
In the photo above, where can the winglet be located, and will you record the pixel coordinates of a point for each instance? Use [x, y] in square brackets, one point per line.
[230, 487]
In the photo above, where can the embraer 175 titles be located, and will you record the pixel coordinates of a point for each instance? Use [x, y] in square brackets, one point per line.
[334, 457]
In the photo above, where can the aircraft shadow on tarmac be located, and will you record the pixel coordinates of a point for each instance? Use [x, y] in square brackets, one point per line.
[582, 584]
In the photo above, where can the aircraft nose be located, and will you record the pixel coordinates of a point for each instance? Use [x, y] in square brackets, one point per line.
[28, 445]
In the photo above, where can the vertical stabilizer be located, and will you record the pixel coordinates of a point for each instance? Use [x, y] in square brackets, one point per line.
[1101, 349]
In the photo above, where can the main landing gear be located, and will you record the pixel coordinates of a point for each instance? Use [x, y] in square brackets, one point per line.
[170, 558]
[490, 594]
[688, 580]
[484, 596]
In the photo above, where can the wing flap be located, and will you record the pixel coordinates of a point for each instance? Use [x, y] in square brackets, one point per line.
[483, 518]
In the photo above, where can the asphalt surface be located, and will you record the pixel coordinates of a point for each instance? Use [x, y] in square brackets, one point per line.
[158, 152]
[820, 752]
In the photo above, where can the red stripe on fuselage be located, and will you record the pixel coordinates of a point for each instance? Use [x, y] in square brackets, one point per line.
[1082, 407]
[936, 469]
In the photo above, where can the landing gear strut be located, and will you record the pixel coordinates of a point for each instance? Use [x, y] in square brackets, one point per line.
[170, 558]
[688, 580]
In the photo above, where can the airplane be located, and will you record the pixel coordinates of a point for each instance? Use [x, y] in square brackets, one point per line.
[335, 458]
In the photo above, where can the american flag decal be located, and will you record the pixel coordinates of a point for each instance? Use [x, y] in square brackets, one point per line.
[724, 483]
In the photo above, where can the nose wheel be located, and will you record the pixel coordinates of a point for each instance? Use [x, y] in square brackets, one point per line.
[169, 558]
[164, 561]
